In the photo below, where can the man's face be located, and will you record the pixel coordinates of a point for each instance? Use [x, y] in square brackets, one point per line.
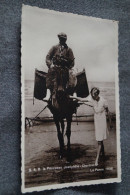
[62, 40]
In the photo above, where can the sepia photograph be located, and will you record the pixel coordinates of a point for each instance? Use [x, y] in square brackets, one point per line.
[70, 100]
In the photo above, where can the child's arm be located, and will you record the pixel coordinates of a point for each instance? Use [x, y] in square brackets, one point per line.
[108, 113]
[107, 110]
[109, 117]
[79, 99]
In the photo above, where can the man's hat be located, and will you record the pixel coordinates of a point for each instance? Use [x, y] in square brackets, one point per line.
[62, 35]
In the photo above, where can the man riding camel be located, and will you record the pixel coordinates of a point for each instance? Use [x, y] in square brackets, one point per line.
[59, 56]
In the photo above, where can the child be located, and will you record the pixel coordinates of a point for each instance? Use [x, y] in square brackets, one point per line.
[100, 106]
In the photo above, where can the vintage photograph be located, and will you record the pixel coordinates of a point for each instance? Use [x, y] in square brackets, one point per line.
[70, 100]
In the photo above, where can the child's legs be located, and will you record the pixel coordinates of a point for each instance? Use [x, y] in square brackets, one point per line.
[98, 152]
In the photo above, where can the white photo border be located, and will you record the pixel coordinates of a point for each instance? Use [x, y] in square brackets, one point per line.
[83, 183]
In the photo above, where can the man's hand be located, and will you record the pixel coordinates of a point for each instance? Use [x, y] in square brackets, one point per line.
[48, 63]
[52, 66]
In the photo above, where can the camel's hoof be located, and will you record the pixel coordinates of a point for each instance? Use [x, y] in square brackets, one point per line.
[68, 159]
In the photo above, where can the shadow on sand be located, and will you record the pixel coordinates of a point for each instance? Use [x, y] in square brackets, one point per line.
[48, 169]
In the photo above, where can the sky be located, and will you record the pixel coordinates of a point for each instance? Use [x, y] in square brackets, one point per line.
[94, 42]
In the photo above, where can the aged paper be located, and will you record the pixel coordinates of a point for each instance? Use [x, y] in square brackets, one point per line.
[70, 139]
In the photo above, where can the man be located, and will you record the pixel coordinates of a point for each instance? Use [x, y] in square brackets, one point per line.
[59, 55]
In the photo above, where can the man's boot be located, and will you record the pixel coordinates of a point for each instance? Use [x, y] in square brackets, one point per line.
[75, 95]
[48, 95]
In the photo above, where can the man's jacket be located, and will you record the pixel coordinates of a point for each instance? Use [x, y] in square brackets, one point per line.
[61, 56]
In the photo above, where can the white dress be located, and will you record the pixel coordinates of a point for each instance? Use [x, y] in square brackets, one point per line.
[99, 117]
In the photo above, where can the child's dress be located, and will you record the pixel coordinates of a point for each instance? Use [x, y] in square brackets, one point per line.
[99, 117]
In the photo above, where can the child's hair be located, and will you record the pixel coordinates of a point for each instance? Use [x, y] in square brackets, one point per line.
[96, 90]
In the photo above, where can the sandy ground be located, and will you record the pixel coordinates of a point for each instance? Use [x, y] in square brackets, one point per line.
[42, 163]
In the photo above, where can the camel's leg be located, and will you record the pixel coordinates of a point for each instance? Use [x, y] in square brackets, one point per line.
[62, 127]
[60, 138]
[68, 133]
[102, 149]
